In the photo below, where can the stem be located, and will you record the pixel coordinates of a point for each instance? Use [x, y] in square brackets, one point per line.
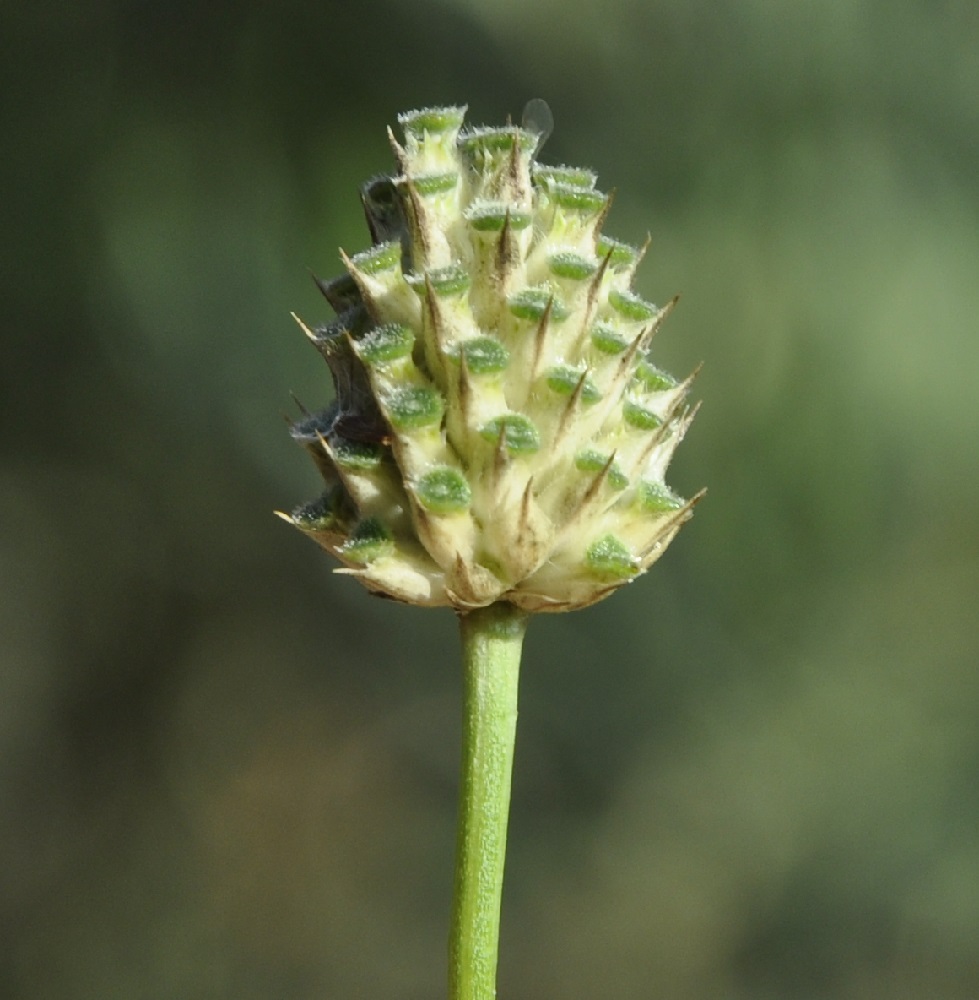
[491, 641]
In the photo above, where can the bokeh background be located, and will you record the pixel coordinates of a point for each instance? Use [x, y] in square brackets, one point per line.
[225, 772]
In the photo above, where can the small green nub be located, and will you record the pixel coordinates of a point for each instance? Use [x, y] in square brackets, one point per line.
[639, 417]
[531, 304]
[490, 218]
[521, 435]
[433, 120]
[444, 491]
[607, 339]
[609, 559]
[577, 177]
[414, 407]
[565, 264]
[563, 380]
[322, 514]
[658, 498]
[594, 461]
[447, 281]
[383, 257]
[623, 255]
[432, 184]
[357, 456]
[486, 141]
[386, 343]
[484, 355]
[577, 199]
[617, 479]
[652, 379]
[631, 306]
[370, 540]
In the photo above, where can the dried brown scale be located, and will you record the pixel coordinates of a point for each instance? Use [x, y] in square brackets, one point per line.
[474, 488]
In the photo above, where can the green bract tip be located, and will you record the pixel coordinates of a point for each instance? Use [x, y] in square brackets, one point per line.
[370, 540]
[658, 498]
[444, 491]
[431, 184]
[564, 381]
[578, 199]
[414, 407]
[519, 435]
[479, 143]
[631, 306]
[382, 257]
[491, 218]
[386, 343]
[621, 255]
[639, 417]
[358, 455]
[607, 339]
[446, 281]
[595, 461]
[610, 559]
[652, 379]
[532, 303]
[577, 177]
[484, 355]
[433, 120]
[564, 264]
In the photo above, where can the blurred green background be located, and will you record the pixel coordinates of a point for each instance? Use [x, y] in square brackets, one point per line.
[225, 772]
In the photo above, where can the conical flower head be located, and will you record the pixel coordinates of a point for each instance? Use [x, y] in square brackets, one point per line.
[498, 432]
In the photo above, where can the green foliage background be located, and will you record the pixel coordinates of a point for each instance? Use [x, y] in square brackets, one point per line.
[226, 773]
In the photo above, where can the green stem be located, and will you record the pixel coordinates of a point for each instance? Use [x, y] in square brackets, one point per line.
[491, 641]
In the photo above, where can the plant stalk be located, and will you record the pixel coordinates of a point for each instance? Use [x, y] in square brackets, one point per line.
[492, 638]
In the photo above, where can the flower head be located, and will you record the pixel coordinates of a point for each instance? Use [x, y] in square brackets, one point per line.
[497, 432]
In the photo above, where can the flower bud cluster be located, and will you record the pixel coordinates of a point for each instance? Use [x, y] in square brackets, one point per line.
[498, 432]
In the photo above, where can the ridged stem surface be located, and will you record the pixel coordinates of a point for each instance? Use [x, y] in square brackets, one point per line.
[492, 639]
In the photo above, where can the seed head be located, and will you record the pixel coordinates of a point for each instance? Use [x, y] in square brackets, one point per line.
[497, 432]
